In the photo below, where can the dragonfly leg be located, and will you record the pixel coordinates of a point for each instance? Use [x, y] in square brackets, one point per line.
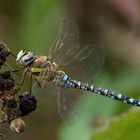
[18, 70]
[30, 79]
[23, 76]
[8, 66]
[12, 70]
[13, 55]
[38, 83]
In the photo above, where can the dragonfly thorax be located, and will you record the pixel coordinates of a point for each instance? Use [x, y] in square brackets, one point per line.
[45, 68]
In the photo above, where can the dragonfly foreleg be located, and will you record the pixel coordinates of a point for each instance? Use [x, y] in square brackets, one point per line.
[12, 70]
[30, 84]
[23, 76]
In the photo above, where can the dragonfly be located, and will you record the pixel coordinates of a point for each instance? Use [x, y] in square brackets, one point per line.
[69, 68]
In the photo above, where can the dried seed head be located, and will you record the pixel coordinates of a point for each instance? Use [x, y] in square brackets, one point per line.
[7, 86]
[4, 49]
[27, 104]
[6, 75]
[10, 110]
[6, 95]
[11, 104]
[17, 125]
[6, 80]
[4, 52]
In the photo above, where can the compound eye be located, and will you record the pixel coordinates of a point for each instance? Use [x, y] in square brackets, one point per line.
[26, 60]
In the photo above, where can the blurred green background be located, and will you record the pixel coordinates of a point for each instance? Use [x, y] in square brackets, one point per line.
[115, 24]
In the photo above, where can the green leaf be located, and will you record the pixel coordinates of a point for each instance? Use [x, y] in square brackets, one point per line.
[123, 127]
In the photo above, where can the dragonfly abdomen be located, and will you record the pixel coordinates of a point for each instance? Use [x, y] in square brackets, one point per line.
[99, 90]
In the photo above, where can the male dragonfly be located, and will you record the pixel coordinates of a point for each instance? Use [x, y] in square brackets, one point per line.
[65, 62]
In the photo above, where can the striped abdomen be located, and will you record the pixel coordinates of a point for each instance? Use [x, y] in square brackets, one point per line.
[98, 90]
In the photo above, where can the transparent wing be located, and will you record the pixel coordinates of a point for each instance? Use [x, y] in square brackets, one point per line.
[69, 101]
[69, 104]
[87, 63]
[45, 92]
[66, 44]
[80, 63]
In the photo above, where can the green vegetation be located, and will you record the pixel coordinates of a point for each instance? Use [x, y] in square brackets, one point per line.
[33, 25]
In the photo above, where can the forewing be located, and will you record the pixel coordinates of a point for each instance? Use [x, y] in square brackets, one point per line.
[81, 63]
[66, 44]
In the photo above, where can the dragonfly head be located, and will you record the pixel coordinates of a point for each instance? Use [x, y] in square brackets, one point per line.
[25, 57]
